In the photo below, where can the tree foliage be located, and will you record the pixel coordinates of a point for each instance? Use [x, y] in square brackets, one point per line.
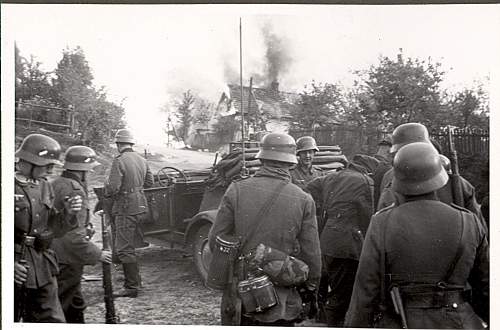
[72, 87]
[399, 91]
[184, 113]
[319, 105]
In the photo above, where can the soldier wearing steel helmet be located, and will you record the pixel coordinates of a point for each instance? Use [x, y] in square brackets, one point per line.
[289, 225]
[398, 282]
[304, 172]
[74, 249]
[415, 132]
[129, 175]
[347, 197]
[36, 222]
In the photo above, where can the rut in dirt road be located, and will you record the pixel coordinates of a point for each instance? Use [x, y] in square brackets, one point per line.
[172, 292]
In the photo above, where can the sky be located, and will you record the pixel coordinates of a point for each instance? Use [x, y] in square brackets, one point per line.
[147, 56]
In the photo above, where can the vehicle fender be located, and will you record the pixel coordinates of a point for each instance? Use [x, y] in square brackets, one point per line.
[196, 222]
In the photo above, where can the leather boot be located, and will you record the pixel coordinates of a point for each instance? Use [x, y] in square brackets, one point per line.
[132, 281]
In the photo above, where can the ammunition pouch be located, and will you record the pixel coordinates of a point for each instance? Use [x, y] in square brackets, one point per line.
[282, 269]
[43, 240]
[257, 294]
[223, 257]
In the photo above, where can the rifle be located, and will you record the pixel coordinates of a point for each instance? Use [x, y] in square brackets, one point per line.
[397, 302]
[456, 184]
[21, 288]
[111, 317]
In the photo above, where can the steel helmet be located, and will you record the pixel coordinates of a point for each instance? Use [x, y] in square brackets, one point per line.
[80, 158]
[305, 143]
[124, 136]
[409, 133]
[278, 146]
[418, 169]
[39, 150]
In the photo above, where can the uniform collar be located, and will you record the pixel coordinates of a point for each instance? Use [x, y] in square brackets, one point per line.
[72, 176]
[274, 172]
[126, 150]
[24, 180]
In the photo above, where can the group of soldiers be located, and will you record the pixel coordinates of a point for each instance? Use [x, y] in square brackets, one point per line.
[384, 243]
[52, 227]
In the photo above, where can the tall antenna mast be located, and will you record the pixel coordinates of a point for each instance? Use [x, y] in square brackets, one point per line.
[243, 168]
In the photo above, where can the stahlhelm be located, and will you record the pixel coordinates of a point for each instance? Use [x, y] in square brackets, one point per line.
[40, 150]
[80, 158]
[124, 136]
[278, 146]
[418, 169]
[409, 133]
[305, 143]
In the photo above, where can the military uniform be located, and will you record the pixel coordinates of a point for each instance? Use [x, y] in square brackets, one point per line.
[383, 166]
[301, 175]
[129, 175]
[445, 195]
[347, 197]
[289, 225]
[35, 215]
[73, 250]
[409, 239]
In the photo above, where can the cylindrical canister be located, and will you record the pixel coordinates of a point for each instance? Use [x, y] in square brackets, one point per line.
[224, 254]
[257, 294]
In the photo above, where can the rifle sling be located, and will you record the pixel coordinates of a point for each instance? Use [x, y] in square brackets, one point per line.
[264, 210]
[460, 249]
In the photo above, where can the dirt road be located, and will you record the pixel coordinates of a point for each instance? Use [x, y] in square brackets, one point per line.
[172, 291]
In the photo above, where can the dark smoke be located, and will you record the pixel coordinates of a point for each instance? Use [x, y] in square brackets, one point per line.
[278, 56]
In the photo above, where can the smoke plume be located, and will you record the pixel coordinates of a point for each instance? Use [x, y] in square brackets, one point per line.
[277, 54]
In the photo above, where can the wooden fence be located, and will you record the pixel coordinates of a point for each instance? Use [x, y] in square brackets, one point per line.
[50, 117]
[354, 140]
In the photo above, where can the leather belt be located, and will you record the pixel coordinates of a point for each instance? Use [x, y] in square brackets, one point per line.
[131, 190]
[435, 299]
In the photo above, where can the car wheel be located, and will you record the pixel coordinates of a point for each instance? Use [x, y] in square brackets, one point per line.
[201, 251]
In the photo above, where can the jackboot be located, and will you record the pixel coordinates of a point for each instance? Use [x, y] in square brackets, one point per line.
[132, 281]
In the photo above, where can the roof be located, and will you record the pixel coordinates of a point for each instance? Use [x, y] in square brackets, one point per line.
[277, 104]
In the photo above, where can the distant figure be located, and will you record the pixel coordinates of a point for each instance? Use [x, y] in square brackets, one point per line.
[385, 163]
[421, 256]
[74, 249]
[128, 177]
[304, 172]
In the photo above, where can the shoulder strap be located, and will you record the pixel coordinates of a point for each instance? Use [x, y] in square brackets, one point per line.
[460, 249]
[263, 211]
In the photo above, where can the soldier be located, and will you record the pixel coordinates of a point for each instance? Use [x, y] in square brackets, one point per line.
[304, 172]
[347, 197]
[415, 132]
[398, 260]
[37, 221]
[129, 175]
[74, 249]
[289, 225]
[384, 157]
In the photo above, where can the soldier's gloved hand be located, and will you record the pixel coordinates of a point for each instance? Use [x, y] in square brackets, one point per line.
[20, 272]
[73, 205]
[106, 256]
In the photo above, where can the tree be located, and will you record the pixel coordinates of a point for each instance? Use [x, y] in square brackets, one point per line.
[203, 112]
[319, 105]
[399, 91]
[184, 113]
[469, 108]
[31, 81]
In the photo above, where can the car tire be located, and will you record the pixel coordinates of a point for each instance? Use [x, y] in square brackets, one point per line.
[201, 251]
